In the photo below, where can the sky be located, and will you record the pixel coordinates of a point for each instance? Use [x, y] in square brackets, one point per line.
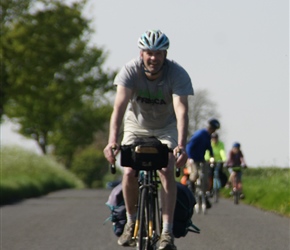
[237, 50]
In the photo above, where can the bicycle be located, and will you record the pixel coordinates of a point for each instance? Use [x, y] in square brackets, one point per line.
[236, 183]
[148, 223]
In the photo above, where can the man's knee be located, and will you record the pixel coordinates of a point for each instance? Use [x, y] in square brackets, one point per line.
[193, 176]
[129, 173]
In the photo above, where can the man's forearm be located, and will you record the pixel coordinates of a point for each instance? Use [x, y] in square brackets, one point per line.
[115, 124]
[182, 128]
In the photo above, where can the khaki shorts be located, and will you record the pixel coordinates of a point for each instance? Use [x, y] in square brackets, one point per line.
[194, 169]
[167, 135]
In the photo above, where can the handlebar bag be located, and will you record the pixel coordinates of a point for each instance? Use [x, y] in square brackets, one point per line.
[146, 153]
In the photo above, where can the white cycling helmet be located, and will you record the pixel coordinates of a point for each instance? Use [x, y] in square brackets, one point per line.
[153, 40]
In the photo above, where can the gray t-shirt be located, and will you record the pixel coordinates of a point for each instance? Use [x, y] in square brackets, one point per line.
[151, 104]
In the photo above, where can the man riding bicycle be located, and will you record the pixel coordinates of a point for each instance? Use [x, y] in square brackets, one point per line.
[156, 90]
[196, 148]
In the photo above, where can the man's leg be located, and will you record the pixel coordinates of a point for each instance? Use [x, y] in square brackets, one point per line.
[193, 173]
[168, 198]
[130, 190]
[130, 193]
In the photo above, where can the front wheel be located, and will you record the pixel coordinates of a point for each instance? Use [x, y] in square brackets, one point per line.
[203, 205]
[197, 206]
[142, 243]
[236, 196]
[216, 195]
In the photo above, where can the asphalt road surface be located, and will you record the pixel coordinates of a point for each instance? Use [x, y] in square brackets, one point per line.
[73, 220]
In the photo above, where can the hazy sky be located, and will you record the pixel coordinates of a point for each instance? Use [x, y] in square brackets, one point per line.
[237, 50]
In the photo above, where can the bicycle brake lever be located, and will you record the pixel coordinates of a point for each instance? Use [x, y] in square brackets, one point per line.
[177, 173]
[113, 166]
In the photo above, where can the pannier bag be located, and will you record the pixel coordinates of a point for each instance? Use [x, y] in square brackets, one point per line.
[182, 223]
[117, 207]
[184, 207]
[146, 153]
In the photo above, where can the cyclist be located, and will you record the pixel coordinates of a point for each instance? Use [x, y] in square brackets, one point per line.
[156, 90]
[196, 148]
[235, 159]
[219, 155]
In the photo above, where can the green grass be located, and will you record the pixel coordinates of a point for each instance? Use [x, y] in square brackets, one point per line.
[25, 174]
[267, 189]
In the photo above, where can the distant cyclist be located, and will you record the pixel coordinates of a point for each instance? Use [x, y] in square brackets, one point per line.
[236, 159]
[220, 158]
[153, 91]
[196, 148]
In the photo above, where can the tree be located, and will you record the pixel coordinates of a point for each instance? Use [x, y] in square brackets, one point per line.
[53, 76]
[9, 11]
[77, 130]
[201, 109]
[89, 166]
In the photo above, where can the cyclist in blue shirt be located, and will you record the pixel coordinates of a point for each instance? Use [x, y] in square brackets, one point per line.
[196, 148]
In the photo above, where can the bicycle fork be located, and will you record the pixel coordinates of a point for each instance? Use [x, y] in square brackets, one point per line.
[151, 205]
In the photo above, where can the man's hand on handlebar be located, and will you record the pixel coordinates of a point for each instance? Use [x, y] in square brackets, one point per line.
[110, 152]
[181, 156]
[211, 162]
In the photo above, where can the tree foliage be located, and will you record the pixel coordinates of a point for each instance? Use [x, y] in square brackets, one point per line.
[90, 167]
[201, 109]
[77, 130]
[53, 77]
[10, 10]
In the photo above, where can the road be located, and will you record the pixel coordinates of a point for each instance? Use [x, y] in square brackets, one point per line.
[73, 220]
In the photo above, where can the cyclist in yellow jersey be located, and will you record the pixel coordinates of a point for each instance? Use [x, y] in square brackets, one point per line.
[219, 154]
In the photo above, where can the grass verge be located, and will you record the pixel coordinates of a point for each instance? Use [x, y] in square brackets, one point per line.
[25, 175]
[267, 189]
